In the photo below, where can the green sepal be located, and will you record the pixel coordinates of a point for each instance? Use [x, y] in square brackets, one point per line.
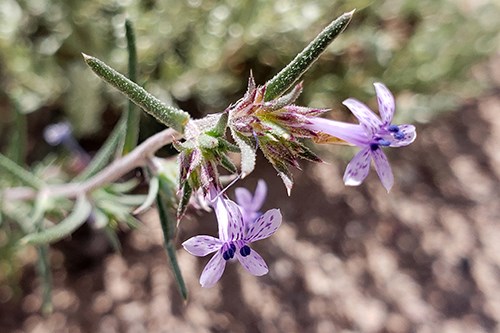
[228, 164]
[247, 151]
[184, 200]
[228, 146]
[282, 81]
[208, 142]
[220, 127]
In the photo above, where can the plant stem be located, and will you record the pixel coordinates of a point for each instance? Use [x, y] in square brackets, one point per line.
[136, 158]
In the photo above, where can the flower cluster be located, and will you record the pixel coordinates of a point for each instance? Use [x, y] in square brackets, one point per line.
[275, 128]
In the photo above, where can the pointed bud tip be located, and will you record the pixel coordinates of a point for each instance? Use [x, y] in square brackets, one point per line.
[86, 56]
[350, 13]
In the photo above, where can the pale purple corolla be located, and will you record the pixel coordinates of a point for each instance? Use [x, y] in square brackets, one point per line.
[234, 240]
[370, 135]
[250, 205]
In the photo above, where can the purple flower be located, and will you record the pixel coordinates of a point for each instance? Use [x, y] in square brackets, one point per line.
[250, 205]
[370, 135]
[233, 241]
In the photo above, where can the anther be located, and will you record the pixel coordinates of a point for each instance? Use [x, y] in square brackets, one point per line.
[399, 136]
[393, 128]
[383, 142]
[245, 250]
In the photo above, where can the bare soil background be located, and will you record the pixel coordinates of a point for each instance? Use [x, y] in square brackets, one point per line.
[425, 258]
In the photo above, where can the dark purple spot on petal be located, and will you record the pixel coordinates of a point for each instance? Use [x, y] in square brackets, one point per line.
[373, 147]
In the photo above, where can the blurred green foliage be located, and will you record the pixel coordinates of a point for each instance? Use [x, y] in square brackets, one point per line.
[201, 52]
[198, 53]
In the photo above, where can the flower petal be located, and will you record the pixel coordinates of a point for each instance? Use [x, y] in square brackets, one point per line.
[243, 197]
[264, 226]
[409, 135]
[352, 133]
[366, 117]
[220, 209]
[229, 219]
[358, 168]
[253, 263]
[386, 103]
[260, 195]
[202, 245]
[383, 168]
[236, 225]
[213, 271]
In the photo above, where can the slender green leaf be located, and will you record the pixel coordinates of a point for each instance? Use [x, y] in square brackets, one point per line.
[105, 153]
[126, 129]
[17, 145]
[165, 114]
[154, 185]
[133, 115]
[43, 261]
[78, 216]
[18, 172]
[113, 238]
[168, 227]
[45, 275]
[282, 81]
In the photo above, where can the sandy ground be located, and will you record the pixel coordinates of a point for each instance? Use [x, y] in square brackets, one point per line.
[425, 258]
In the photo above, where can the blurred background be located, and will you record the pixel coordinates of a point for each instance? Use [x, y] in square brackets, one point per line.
[425, 258]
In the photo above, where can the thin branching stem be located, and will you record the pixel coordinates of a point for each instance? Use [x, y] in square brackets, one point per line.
[137, 158]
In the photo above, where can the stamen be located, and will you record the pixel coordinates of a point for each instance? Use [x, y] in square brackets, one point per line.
[393, 128]
[383, 142]
[245, 250]
[230, 249]
[374, 146]
[399, 136]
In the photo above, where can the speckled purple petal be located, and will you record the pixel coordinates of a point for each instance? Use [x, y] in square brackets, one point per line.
[236, 224]
[264, 226]
[213, 271]
[358, 168]
[386, 103]
[220, 209]
[253, 263]
[202, 245]
[410, 134]
[366, 117]
[383, 169]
